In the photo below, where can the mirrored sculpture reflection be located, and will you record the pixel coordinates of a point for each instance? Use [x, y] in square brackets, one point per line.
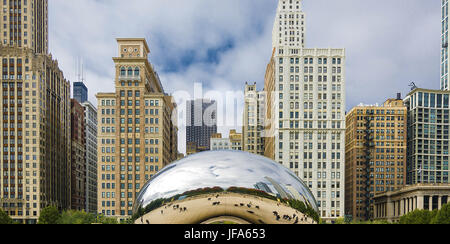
[225, 187]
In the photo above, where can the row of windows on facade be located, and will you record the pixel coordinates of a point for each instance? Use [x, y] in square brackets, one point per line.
[321, 135]
[130, 111]
[128, 177]
[130, 150]
[107, 102]
[148, 130]
[310, 87]
[430, 100]
[113, 212]
[315, 166]
[309, 115]
[290, 6]
[310, 105]
[130, 72]
[130, 141]
[123, 121]
[137, 159]
[322, 194]
[320, 61]
[123, 168]
[123, 186]
[310, 96]
[112, 195]
[307, 70]
[310, 125]
[291, 16]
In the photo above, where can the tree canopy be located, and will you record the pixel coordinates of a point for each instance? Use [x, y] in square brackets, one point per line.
[5, 219]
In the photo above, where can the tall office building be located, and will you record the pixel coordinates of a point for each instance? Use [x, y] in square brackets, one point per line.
[254, 117]
[78, 162]
[201, 122]
[90, 121]
[428, 136]
[444, 49]
[35, 103]
[305, 91]
[375, 155]
[25, 24]
[80, 92]
[136, 134]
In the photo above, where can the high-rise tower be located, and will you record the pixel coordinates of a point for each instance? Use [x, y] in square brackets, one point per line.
[305, 92]
[375, 155]
[35, 102]
[80, 92]
[201, 122]
[444, 52]
[253, 120]
[136, 134]
[25, 24]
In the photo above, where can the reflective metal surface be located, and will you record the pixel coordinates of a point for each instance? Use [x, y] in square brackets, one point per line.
[225, 187]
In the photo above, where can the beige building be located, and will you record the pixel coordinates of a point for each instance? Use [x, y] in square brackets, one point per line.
[391, 206]
[192, 148]
[270, 119]
[254, 117]
[136, 134]
[36, 151]
[35, 121]
[28, 27]
[233, 142]
[375, 155]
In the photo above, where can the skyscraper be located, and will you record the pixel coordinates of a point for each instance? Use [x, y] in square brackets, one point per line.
[90, 119]
[305, 91]
[80, 92]
[428, 136]
[253, 124]
[201, 122]
[375, 155]
[136, 133]
[444, 53]
[36, 106]
[78, 159]
[25, 24]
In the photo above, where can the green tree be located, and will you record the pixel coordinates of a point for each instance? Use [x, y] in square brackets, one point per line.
[76, 217]
[105, 220]
[5, 219]
[49, 215]
[442, 216]
[418, 217]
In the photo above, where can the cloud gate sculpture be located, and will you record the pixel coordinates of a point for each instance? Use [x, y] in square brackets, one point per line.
[225, 187]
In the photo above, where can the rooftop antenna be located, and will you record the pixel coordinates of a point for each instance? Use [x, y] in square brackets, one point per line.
[78, 68]
[82, 72]
[413, 86]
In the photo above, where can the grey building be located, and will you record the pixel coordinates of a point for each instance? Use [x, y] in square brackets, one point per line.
[91, 156]
[201, 121]
[428, 136]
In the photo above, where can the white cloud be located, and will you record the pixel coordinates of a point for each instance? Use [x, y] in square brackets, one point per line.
[388, 43]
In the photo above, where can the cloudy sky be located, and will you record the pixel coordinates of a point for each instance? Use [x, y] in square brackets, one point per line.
[221, 44]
